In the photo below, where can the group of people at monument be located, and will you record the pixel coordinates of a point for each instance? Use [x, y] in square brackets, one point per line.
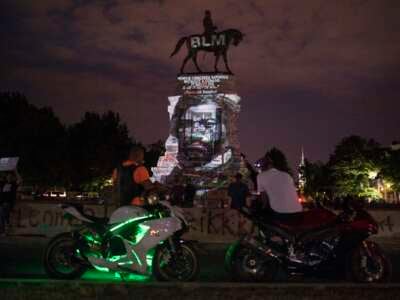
[276, 191]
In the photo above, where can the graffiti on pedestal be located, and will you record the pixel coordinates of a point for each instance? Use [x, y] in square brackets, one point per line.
[222, 222]
[386, 224]
[47, 219]
[28, 216]
[204, 223]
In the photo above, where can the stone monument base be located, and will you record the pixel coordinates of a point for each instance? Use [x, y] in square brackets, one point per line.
[202, 149]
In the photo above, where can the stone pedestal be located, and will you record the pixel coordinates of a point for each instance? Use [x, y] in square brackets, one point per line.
[203, 143]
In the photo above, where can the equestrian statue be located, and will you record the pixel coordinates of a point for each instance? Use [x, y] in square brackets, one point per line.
[209, 41]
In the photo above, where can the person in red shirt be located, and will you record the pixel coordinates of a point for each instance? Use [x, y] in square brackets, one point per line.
[131, 178]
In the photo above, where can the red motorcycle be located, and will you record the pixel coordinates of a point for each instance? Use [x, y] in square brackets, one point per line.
[314, 243]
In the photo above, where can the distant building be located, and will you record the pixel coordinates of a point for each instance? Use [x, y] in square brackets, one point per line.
[395, 146]
[301, 182]
[384, 187]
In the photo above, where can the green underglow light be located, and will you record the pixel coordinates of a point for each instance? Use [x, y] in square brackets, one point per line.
[125, 263]
[137, 277]
[129, 221]
[149, 260]
[137, 257]
[141, 233]
[91, 239]
[102, 269]
[149, 257]
[130, 277]
[116, 257]
[112, 277]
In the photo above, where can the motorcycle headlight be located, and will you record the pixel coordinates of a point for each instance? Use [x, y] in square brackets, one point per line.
[153, 199]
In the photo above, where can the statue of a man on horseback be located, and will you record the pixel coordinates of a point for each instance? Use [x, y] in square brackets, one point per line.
[210, 41]
[208, 24]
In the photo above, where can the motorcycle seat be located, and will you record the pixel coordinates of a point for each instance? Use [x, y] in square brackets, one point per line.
[304, 221]
[94, 219]
[97, 220]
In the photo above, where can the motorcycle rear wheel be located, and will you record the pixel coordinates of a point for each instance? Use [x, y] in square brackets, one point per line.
[364, 268]
[181, 267]
[249, 266]
[60, 261]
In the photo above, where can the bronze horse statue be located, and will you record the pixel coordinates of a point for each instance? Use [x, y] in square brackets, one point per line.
[218, 43]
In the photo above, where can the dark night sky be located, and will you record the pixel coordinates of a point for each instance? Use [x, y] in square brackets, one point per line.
[309, 72]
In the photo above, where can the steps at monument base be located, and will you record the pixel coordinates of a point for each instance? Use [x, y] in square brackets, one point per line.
[65, 290]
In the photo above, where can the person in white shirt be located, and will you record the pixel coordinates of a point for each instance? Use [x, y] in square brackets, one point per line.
[278, 188]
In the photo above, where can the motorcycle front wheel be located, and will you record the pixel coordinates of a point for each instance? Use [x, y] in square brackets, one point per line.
[60, 261]
[181, 266]
[368, 263]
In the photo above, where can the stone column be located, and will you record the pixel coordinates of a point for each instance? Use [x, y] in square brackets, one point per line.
[203, 144]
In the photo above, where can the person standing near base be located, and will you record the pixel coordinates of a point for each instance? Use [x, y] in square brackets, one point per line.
[8, 197]
[131, 178]
[3, 181]
[238, 191]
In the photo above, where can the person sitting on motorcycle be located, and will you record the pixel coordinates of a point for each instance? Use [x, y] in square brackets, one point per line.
[131, 178]
[277, 189]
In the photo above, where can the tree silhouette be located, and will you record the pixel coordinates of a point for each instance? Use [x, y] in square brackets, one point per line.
[35, 135]
[318, 180]
[96, 145]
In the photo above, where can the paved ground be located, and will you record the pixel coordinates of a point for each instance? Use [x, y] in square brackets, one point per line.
[22, 258]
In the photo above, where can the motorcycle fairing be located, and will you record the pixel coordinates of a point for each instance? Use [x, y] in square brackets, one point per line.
[77, 211]
[135, 259]
[363, 222]
[124, 213]
[230, 253]
[77, 214]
